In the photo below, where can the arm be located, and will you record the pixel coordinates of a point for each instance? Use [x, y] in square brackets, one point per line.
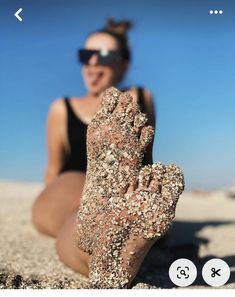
[55, 139]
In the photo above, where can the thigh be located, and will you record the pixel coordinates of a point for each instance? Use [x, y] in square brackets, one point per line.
[67, 250]
[57, 201]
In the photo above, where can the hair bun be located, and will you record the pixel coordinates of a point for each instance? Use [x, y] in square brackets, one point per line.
[120, 27]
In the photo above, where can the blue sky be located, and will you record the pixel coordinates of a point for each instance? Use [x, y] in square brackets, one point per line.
[184, 55]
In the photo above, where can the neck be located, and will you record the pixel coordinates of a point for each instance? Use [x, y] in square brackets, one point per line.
[93, 96]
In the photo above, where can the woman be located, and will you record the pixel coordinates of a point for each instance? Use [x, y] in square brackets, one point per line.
[105, 60]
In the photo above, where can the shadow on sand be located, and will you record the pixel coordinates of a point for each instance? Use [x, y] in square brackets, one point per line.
[182, 241]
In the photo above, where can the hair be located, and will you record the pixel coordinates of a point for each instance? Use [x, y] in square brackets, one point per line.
[118, 30]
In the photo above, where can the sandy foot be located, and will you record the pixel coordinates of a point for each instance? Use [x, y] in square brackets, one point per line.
[116, 227]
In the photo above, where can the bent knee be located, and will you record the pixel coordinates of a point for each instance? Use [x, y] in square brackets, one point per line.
[71, 259]
[40, 217]
[69, 253]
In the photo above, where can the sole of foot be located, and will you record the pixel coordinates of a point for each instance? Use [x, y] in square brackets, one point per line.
[134, 222]
[116, 141]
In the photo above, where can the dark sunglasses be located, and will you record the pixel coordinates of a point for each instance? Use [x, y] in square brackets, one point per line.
[104, 57]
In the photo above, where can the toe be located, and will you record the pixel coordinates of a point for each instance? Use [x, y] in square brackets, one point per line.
[140, 121]
[145, 176]
[132, 111]
[122, 190]
[132, 187]
[155, 186]
[124, 100]
[173, 182]
[110, 99]
[158, 170]
[146, 136]
[128, 187]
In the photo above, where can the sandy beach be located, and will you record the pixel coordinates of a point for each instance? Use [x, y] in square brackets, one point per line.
[204, 228]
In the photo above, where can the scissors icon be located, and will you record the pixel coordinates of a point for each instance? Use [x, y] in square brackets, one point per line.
[215, 272]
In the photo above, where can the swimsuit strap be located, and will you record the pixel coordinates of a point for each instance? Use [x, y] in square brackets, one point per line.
[69, 108]
[70, 111]
[141, 99]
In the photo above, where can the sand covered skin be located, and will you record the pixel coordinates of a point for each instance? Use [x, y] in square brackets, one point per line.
[115, 227]
[203, 228]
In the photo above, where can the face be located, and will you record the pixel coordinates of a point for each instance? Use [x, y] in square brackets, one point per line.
[97, 77]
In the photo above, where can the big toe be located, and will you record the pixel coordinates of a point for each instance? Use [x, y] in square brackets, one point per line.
[124, 100]
[158, 171]
[109, 99]
[145, 176]
[173, 182]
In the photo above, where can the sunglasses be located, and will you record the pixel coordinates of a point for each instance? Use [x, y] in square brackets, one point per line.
[104, 57]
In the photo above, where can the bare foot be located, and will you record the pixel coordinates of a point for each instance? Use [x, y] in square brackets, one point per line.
[137, 219]
[116, 141]
[117, 227]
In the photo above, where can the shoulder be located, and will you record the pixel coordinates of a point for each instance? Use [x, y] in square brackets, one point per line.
[147, 95]
[56, 118]
[58, 105]
[57, 108]
[146, 92]
[148, 99]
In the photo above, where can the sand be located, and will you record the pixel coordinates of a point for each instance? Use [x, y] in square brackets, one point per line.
[204, 228]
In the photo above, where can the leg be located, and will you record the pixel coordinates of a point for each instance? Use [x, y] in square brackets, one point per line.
[67, 250]
[57, 201]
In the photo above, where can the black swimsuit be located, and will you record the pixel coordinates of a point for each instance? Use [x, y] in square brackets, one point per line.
[76, 159]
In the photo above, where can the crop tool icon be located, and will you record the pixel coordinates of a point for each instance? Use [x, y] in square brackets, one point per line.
[182, 272]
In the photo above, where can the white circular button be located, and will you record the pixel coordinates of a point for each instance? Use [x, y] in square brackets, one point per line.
[182, 272]
[216, 272]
